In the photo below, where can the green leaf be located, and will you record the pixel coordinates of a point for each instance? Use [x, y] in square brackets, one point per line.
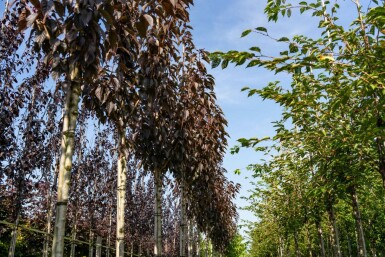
[261, 29]
[283, 39]
[255, 49]
[246, 32]
[225, 63]
[253, 63]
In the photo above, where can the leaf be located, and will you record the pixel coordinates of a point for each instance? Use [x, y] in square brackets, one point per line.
[283, 39]
[253, 63]
[255, 49]
[263, 29]
[225, 63]
[215, 61]
[148, 19]
[246, 32]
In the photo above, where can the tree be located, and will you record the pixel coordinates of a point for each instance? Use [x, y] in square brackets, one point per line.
[331, 126]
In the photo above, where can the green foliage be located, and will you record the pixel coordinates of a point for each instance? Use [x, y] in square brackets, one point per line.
[237, 247]
[329, 143]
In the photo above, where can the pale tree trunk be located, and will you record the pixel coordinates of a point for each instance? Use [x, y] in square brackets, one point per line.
[321, 239]
[73, 235]
[334, 229]
[198, 244]
[91, 244]
[98, 246]
[12, 246]
[50, 205]
[121, 195]
[158, 213]
[182, 229]
[357, 216]
[75, 223]
[132, 249]
[109, 236]
[67, 150]
[190, 239]
[281, 247]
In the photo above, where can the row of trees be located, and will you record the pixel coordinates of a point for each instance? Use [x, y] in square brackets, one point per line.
[131, 100]
[320, 190]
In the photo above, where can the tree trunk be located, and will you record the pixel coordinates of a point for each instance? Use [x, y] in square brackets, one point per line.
[67, 150]
[281, 247]
[98, 246]
[73, 235]
[121, 195]
[183, 229]
[334, 229]
[132, 249]
[91, 244]
[198, 247]
[50, 205]
[189, 238]
[357, 216]
[12, 246]
[109, 235]
[321, 239]
[158, 213]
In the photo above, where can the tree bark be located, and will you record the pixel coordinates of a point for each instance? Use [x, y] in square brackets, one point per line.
[98, 246]
[281, 247]
[91, 244]
[109, 236]
[158, 213]
[357, 216]
[73, 235]
[12, 246]
[67, 150]
[190, 237]
[321, 239]
[334, 229]
[183, 225]
[121, 194]
[50, 205]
